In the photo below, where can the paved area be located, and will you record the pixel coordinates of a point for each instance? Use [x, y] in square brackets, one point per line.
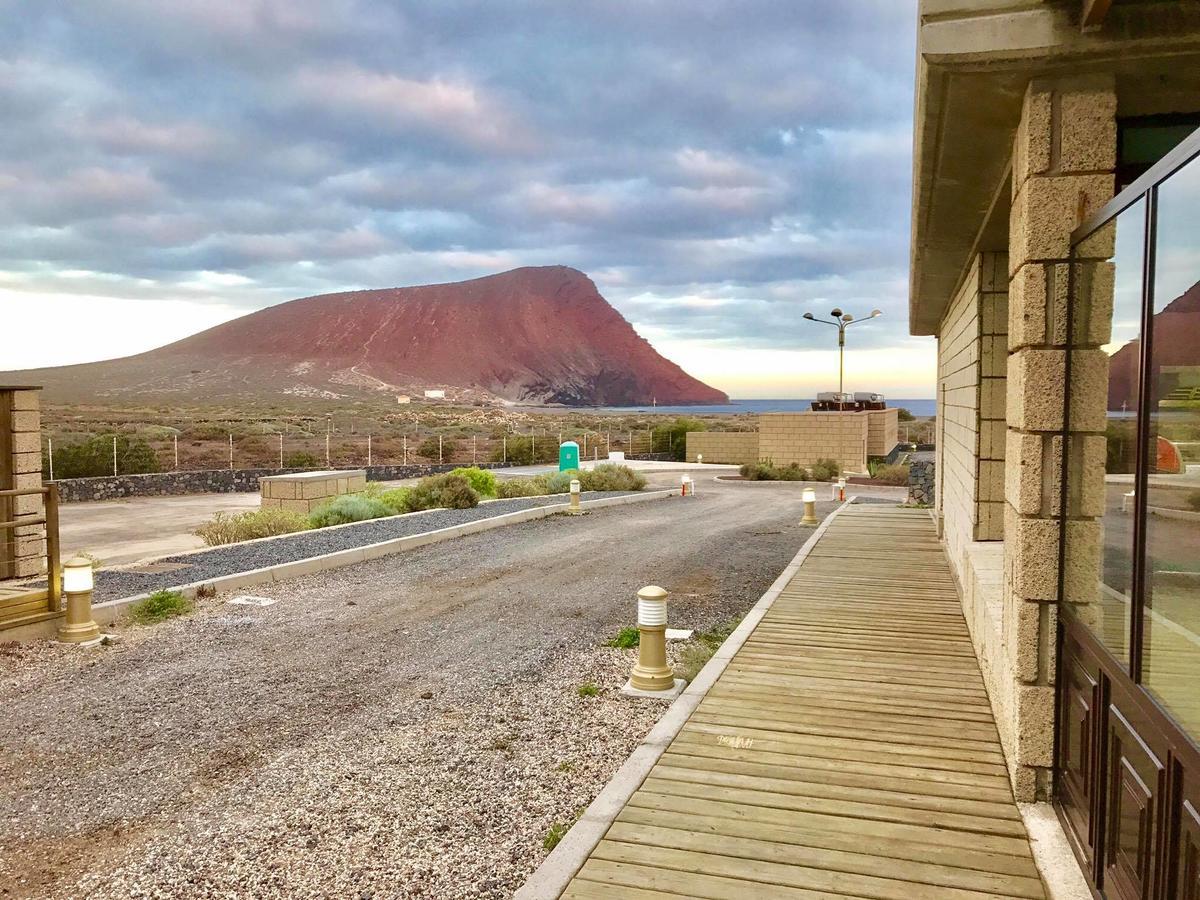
[409, 727]
[848, 750]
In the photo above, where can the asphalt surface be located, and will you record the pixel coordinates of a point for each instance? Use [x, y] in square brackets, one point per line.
[408, 727]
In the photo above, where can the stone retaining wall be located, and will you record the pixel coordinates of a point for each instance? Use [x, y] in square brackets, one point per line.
[921, 482]
[216, 481]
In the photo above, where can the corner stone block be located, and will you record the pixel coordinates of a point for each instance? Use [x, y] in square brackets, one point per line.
[1045, 212]
[1027, 307]
[1035, 389]
[1088, 130]
[27, 442]
[1089, 390]
[1082, 562]
[269, 502]
[1022, 626]
[26, 401]
[1031, 145]
[1089, 464]
[1035, 724]
[1094, 314]
[27, 463]
[1034, 558]
[302, 506]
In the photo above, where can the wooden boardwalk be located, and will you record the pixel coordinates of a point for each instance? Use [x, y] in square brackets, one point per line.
[848, 750]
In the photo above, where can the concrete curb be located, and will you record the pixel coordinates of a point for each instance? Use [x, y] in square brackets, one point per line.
[110, 611]
[551, 878]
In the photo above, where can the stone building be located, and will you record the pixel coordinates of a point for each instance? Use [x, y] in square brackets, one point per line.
[22, 547]
[1056, 258]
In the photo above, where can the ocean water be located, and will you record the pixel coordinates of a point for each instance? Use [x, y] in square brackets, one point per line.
[918, 407]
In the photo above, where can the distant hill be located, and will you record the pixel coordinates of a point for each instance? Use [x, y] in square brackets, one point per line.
[1176, 343]
[534, 335]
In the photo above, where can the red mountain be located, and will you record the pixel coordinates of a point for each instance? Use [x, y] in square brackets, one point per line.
[1176, 339]
[537, 335]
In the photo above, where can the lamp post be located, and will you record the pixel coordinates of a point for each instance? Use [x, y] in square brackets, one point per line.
[810, 507]
[652, 672]
[78, 625]
[574, 509]
[842, 321]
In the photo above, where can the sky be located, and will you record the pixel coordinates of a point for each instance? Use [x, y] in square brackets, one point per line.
[717, 168]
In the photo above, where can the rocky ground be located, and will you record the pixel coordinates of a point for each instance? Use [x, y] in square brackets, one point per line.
[411, 727]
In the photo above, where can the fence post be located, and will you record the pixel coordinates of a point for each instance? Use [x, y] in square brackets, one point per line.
[327, 449]
[439, 449]
[472, 449]
[53, 552]
[504, 450]
[231, 451]
[281, 448]
[50, 455]
[114, 454]
[631, 441]
[532, 448]
[176, 452]
[368, 451]
[404, 440]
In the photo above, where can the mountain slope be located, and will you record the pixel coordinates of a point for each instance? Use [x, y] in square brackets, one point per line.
[536, 335]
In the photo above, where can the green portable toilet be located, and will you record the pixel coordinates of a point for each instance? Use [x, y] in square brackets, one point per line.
[568, 456]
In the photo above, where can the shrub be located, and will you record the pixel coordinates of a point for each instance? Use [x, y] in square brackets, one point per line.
[159, 606]
[397, 499]
[627, 637]
[94, 456]
[611, 477]
[520, 487]
[896, 473]
[348, 508]
[558, 482]
[903, 415]
[588, 689]
[448, 491]
[482, 481]
[825, 469]
[302, 459]
[522, 450]
[430, 449]
[767, 471]
[245, 526]
[672, 438]
[692, 660]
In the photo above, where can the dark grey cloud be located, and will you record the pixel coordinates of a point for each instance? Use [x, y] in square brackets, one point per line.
[718, 167]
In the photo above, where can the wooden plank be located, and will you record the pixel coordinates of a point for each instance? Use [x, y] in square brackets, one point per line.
[847, 750]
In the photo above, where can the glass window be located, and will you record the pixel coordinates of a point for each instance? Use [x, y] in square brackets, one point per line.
[1106, 315]
[1171, 616]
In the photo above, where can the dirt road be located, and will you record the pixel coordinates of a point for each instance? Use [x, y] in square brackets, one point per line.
[412, 727]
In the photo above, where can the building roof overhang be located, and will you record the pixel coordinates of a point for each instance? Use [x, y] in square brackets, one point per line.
[975, 60]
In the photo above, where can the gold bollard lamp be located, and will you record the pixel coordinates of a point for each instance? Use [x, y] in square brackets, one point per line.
[77, 625]
[652, 672]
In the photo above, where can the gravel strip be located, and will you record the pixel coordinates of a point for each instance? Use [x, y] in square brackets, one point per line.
[233, 558]
[406, 727]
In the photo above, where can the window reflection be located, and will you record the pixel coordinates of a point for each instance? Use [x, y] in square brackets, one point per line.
[1171, 618]
[1107, 314]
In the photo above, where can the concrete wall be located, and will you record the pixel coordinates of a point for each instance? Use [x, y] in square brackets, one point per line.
[22, 549]
[304, 492]
[803, 438]
[733, 447]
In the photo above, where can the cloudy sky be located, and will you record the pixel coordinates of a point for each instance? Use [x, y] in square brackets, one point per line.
[718, 168]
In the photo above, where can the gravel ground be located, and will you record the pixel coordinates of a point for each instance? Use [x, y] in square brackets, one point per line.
[408, 727]
[116, 583]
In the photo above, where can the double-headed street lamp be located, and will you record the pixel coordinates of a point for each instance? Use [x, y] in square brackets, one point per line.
[842, 321]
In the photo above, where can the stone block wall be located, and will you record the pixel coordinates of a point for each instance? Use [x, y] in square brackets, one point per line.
[803, 438]
[883, 431]
[304, 492]
[1064, 155]
[733, 447]
[22, 549]
[922, 482]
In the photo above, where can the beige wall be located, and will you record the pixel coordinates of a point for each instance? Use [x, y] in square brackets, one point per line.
[733, 447]
[21, 469]
[883, 429]
[803, 438]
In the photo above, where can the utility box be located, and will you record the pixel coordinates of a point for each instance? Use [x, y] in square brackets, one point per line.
[568, 456]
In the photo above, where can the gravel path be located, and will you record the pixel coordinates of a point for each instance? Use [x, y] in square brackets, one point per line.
[116, 583]
[408, 727]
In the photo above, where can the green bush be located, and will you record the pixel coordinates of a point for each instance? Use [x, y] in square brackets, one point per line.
[429, 449]
[768, 471]
[522, 450]
[825, 470]
[94, 457]
[255, 523]
[903, 415]
[448, 491]
[397, 499]
[611, 477]
[482, 481]
[558, 482]
[520, 487]
[302, 459]
[896, 473]
[588, 689]
[159, 606]
[672, 438]
[627, 637]
[348, 508]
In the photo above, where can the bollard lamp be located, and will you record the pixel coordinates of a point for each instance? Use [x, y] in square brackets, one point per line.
[574, 508]
[77, 585]
[699, 459]
[652, 672]
[810, 507]
[841, 489]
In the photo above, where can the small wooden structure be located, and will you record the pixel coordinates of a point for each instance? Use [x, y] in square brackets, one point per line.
[21, 603]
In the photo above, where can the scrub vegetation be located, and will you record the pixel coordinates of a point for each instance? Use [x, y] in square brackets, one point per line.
[160, 606]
